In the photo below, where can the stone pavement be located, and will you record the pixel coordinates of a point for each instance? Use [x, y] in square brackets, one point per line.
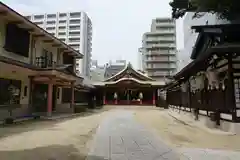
[119, 137]
[209, 154]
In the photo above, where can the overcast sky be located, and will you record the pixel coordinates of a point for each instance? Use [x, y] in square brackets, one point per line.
[118, 25]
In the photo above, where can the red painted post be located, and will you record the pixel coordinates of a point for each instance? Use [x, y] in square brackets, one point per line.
[49, 99]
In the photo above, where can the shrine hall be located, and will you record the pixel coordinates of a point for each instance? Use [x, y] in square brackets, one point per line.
[128, 87]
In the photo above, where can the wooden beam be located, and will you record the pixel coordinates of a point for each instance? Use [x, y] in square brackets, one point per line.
[16, 22]
[38, 35]
[29, 29]
[3, 13]
[67, 52]
[56, 45]
[48, 41]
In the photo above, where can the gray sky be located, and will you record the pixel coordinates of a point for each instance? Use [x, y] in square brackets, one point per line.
[118, 25]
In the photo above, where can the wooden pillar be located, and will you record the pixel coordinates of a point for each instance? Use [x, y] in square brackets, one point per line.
[153, 98]
[231, 88]
[73, 97]
[104, 98]
[49, 99]
[189, 96]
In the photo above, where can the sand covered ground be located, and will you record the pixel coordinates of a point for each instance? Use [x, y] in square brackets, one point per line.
[178, 134]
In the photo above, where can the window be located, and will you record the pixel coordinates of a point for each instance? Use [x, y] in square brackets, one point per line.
[61, 15]
[74, 39]
[62, 39]
[75, 14]
[50, 28]
[10, 91]
[74, 27]
[18, 45]
[51, 22]
[74, 33]
[74, 45]
[51, 16]
[74, 21]
[62, 21]
[61, 27]
[39, 23]
[38, 16]
[62, 33]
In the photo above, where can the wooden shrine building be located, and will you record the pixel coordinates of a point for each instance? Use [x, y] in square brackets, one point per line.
[128, 87]
[210, 83]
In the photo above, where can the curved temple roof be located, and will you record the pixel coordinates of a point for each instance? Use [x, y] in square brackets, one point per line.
[130, 74]
[129, 68]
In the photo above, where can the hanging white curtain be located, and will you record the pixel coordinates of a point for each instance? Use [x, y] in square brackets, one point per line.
[197, 83]
[213, 80]
[200, 81]
[184, 87]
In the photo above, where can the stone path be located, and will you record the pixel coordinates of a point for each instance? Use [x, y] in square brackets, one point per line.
[209, 154]
[119, 137]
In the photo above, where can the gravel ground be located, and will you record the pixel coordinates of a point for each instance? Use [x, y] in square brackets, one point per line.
[49, 140]
[178, 134]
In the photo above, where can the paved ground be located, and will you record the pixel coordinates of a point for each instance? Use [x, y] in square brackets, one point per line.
[120, 137]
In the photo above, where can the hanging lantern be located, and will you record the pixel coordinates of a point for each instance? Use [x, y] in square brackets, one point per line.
[140, 95]
[115, 96]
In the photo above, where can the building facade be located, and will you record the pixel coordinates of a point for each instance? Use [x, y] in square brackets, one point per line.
[73, 28]
[113, 68]
[159, 49]
[37, 70]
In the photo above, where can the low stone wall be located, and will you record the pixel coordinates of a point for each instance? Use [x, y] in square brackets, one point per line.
[205, 121]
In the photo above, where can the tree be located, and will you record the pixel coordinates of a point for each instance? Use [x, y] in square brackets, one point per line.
[225, 9]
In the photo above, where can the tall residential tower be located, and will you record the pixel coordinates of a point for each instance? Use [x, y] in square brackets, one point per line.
[159, 49]
[73, 28]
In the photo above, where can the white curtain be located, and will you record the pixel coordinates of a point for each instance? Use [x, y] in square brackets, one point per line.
[213, 80]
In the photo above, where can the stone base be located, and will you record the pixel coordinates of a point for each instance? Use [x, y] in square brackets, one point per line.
[203, 120]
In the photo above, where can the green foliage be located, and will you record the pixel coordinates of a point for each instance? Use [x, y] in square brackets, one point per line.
[225, 9]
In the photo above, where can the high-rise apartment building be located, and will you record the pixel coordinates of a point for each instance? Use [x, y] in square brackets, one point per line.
[73, 28]
[159, 59]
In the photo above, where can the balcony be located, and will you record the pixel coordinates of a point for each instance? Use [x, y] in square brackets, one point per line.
[158, 39]
[161, 45]
[163, 67]
[45, 62]
[161, 53]
[161, 60]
